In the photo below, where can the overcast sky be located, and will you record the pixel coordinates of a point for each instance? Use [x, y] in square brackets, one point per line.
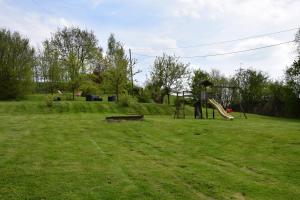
[148, 26]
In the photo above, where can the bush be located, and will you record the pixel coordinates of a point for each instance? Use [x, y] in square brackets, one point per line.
[144, 98]
[88, 87]
[68, 97]
[49, 102]
[124, 101]
[179, 101]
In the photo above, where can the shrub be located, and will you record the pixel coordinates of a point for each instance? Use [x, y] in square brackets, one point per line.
[144, 98]
[88, 87]
[49, 102]
[68, 97]
[124, 101]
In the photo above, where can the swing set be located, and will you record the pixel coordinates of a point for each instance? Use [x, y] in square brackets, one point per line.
[210, 94]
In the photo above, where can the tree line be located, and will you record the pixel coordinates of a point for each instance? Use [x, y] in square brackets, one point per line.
[72, 60]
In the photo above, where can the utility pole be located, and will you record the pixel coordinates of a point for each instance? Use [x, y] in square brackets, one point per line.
[131, 71]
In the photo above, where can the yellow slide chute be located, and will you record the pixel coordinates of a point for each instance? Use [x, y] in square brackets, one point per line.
[221, 110]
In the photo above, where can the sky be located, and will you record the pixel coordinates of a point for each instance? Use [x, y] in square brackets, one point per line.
[152, 27]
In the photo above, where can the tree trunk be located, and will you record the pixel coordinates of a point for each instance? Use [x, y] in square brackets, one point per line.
[168, 99]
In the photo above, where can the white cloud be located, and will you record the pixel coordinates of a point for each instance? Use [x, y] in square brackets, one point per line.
[33, 25]
[176, 23]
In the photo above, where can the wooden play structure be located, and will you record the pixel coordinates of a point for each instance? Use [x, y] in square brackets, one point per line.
[209, 95]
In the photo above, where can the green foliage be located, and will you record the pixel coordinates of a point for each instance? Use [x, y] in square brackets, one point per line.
[196, 83]
[88, 87]
[69, 53]
[81, 44]
[116, 75]
[226, 96]
[252, 86]
[73, 71]
[16, 65]
[49, 102]
[292, 75]
[155, 92]
[51, 68]
[167, 75]
[124, 101]
[144, 96]
[282, 101]
[297, 40]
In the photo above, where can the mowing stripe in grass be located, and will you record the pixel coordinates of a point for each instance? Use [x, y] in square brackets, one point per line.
[111, 160]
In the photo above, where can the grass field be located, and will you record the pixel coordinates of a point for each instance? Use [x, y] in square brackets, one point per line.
[78, 155]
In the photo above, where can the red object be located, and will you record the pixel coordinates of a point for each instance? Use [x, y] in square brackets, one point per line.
[229, 110]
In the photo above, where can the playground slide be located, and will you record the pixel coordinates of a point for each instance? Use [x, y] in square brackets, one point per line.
[220, 109]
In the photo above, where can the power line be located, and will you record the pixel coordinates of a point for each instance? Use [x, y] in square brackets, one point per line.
[226, 53]
[219, 42]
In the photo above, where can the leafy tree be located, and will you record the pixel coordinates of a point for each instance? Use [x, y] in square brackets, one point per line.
[77, 49]
[224, 94]
[73, 72]
[292, 76]
[100, 67]
[282, 100]
[87, 85]
[16, 65]
[252, 86]
[297, 40]
[167, 75]
[51, 67]
[196, 84]
[116, 75]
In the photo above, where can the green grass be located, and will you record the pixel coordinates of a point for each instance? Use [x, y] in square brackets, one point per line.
[36, 104]
[32, 107]
[78, 155]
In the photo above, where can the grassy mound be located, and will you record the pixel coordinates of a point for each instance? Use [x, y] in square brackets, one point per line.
[40, 107]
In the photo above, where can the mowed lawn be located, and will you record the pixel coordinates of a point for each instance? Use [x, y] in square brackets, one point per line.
[81, 156]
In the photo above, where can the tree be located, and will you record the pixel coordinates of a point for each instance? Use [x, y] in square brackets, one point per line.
[74, 72]
[281, 101]
[297, 40]
[116, 75]
[100, 67]
[16, 65]
[196, 84]
[51, 67]
[77, 49]
[252, 86]
[167, 75]
[223, 94]
[292, 76]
